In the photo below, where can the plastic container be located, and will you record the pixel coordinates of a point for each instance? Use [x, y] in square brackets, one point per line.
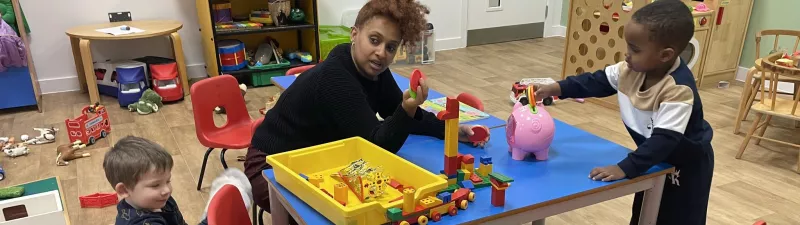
[263, 78]
[428, 49]
[326, 159]
[331, 36]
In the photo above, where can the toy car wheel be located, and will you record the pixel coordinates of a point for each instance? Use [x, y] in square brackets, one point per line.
[91, 140]
[103, 134]
[422, 220]
[547, 101]
[405, 223]
[463, 204]
[452, 211]
[2, 176]
[436, 217]
[471, 197]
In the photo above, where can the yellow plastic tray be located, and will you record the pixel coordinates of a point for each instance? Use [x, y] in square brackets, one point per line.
[328, 158]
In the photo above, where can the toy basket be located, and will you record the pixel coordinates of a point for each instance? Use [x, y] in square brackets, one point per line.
[332, 157]
[330, 37]
[275, 8]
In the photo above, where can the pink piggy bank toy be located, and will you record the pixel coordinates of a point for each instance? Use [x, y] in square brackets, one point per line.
[529, 130]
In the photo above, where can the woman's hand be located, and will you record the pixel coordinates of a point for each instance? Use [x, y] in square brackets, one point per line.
[465, 131]
[410, 104]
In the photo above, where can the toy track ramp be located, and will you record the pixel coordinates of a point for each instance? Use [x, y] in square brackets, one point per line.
[595, 34]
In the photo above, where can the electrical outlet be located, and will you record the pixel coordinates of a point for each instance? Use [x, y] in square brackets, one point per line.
[119, 16]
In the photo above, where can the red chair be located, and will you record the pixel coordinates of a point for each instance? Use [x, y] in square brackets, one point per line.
[297, 70]
[227, 207]
[470, 100]
[236, 133]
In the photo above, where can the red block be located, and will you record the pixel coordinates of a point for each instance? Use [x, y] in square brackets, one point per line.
[451, 109]
[451, 165]
[468, 159]
[498, 197]
[475, 178]
[396, 185]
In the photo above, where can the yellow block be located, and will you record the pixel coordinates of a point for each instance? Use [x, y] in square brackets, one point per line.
[468, 167]
[484, 170]
[430, 202]
[408, 200]
[452, 181]
[340, 193]
[316, 179]
[451, 137]
[466, 174]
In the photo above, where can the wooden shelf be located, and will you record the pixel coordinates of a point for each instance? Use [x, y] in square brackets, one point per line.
[266, 29]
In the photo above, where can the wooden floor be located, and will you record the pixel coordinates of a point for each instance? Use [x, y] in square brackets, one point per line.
[760, 186]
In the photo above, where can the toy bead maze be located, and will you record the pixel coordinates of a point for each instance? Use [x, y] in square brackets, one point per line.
[595, 36]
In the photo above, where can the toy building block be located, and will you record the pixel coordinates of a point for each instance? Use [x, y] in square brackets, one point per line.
[450, 188]
[316, 180]
[468, 167]
[461, 175]
[394, 214]
[501, 178]
[303, 176]
[408, 200]
[452, 181]
[451, 164]
[98, 200]
[430, 201]
[340, 193]
[475, 178]
[467, 175]
[451, 110]
[484, 169]
[444, 196]
[396, 185]
[467, 159]
[498, 197]
[467, 184]
[486, 160]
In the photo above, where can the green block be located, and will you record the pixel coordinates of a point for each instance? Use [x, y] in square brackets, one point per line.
[484, 183]
[450, 188]
[394, 214]
[500, 177]
[460, 176]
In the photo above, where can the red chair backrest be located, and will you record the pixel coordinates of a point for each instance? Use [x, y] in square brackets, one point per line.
[297, 70]
[227, 208]
[255, 125]
[470, 100]
[222, 91]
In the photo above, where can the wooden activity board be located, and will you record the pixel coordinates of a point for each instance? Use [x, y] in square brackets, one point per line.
[595, 36]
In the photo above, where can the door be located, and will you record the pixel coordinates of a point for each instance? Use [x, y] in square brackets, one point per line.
[494, 21]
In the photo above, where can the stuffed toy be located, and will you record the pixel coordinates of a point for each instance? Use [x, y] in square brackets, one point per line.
[233, 177]
[221, 110]
[150, 102]
[46, 135]
[11, 192]
[67, 152]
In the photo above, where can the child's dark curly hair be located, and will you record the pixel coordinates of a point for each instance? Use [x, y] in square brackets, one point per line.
[408, 14]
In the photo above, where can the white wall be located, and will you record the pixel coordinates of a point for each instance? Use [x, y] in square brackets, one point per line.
[446, 16]
[51, 49]
[511, 12]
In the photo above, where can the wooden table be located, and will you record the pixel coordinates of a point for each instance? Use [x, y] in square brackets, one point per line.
[81, 36]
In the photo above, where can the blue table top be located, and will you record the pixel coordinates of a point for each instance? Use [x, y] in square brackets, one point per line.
[403, 83]
[573, 154]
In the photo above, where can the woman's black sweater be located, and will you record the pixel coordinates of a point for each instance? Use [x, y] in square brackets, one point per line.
[331, 101]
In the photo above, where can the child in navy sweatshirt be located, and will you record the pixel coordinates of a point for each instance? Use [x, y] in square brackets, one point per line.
[660, 108]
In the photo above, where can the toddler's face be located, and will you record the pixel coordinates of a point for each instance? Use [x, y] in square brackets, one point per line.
[152, 191]
[644, 54]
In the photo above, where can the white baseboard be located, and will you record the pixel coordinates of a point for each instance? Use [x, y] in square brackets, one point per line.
[449, 43]
[65, 84]
[556, 31]
[741, 74]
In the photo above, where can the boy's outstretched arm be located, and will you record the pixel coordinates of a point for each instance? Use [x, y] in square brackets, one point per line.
[601, 83]
[669, 125]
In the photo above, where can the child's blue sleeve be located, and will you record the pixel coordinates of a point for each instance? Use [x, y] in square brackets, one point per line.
[601, 83]
[669, 124]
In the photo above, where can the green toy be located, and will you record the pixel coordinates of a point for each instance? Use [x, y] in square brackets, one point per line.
[11, 192]
[297, 15]
[7, 10]
[150, 102]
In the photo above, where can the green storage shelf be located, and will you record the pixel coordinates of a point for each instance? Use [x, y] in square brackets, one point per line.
[262, 78]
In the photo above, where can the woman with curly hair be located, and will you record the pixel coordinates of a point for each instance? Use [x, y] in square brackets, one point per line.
[339, 97]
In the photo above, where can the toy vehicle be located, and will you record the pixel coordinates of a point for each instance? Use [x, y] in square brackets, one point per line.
[166, 82]
[431, 207]
[89, 129]
[132, 80]
[2, 173]
[518, 91]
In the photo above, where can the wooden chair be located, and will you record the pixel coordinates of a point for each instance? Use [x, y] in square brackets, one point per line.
[771, 105]
[754, 81]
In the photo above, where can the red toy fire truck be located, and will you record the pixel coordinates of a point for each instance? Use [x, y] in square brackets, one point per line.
[90, 126]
